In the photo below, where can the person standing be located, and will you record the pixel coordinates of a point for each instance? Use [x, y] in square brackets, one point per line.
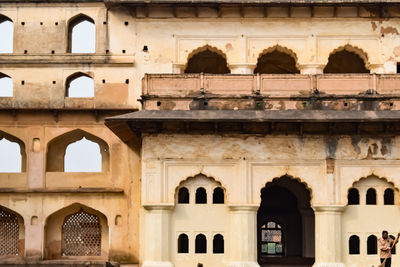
[385, 244]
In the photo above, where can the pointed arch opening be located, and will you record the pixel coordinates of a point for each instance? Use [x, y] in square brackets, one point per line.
[6, 34]
[285, 223]
[207, 59]
[372, 245]
[218, 244]
[201, 244]
[347, 59]
[79, 85]
[12, 154]
[76, 231]
[183, 244]
[388, 197]
[6, 85]
[81, 34]
[12, 233]
[353, 197]
[218, 195]
[354, 245]
[371, 197]
[277, 60]
[183, 196]
[77, 151]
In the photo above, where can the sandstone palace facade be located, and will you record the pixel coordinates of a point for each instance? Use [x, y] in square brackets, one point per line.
[207, 133]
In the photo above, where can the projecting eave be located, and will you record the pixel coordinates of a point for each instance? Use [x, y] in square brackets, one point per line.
[311, 2]
[255, 122]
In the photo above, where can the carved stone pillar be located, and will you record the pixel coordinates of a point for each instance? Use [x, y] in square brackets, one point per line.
[243, 232]
[328, 236]
[157, 236]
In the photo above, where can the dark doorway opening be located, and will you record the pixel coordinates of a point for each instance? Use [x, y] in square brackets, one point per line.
[285, 224]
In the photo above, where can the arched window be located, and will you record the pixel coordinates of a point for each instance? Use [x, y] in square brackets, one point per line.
[372, 245]
[9, 233]
[354, 245]
[81, 235]
[83, 156]
[218, 244]
[271, 239]
[183, 243]
[345, 62]
[80, 85]
[10, 156]
[353, 197]
[6, 34]
[82, 35]
[394, 247]
[388, 197]
[183, 196]
[207, 62]
[371, 197]
[276, 62]
[6, 86]
[201, 196]
[201, 244]
[218, 196]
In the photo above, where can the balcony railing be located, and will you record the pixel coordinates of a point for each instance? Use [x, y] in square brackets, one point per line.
[272, 85]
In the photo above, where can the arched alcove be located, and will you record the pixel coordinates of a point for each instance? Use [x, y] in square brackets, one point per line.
[218, 195]
[347, 59]
[218, 244]
[370, 197]
[12, 154]
[56, 151]
[79, 85]
[81, 34]
[207, 60]
[12, 233]
[75, 231]
[388, 197]
[82, 156]
[201, 195]
[277, 60]
[6, 34]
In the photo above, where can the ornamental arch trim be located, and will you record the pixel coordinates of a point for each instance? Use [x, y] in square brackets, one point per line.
[182, 181]
[299, 180]
[203, 48]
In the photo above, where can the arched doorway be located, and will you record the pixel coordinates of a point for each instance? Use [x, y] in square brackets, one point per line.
[285, 224]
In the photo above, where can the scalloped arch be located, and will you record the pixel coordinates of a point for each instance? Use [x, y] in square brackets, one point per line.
[351, 48]
[193, 176]
[204, 48]
[296, 179]
[282, 49]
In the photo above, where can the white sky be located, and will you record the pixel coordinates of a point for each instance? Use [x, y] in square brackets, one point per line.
[81, 156]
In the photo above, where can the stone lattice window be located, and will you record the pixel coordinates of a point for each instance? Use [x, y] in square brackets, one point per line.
[271, 239]
[9, 233]
[81, 235]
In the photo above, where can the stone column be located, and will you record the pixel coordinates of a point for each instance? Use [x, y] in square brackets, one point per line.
[36, 164]
[243, 236]
[328, 235]
[245, 68]
[157, 236]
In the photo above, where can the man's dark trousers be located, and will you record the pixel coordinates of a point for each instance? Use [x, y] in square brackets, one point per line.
[388, 262]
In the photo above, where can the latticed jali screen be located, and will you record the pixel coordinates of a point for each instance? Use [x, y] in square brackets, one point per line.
[81, 235]
[9, 233]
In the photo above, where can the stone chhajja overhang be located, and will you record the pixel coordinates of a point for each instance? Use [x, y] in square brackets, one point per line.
[299, 122]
